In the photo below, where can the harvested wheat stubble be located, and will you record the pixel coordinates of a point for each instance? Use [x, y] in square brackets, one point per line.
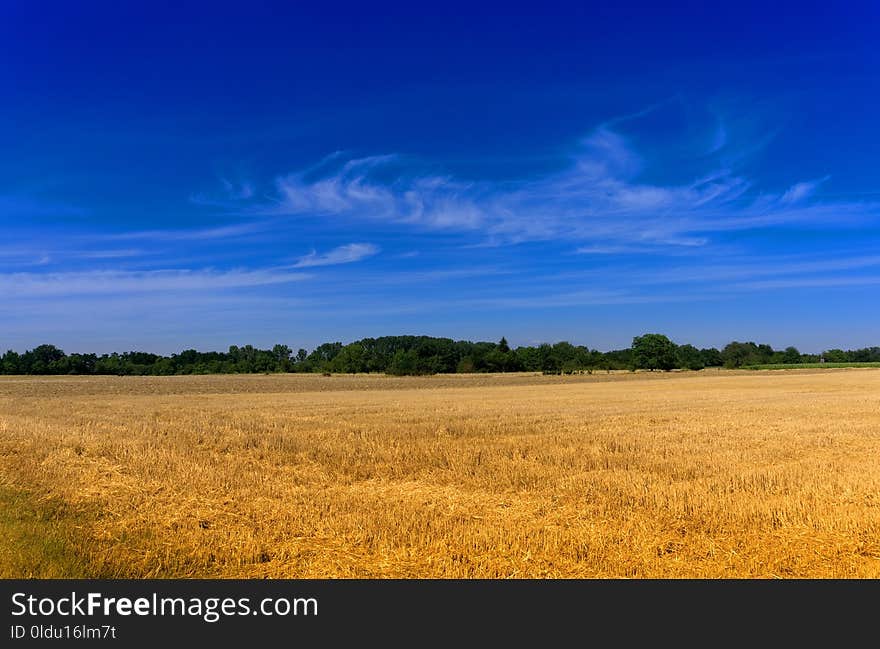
[693, 474]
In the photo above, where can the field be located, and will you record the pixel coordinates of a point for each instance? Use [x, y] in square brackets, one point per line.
[661, 475]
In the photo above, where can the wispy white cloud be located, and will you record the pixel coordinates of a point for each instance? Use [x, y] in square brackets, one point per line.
[801, 191]
[24, 258]
[241, 190]
[108, 254]
[342, 255]
[598, 198]
[378, 280]
[192, 234]
[232, 194]
[129, 281]
[607, 250]
[719, 140]
[809, 282]
[757, 267]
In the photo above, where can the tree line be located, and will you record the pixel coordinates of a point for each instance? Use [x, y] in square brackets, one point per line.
[416, 355]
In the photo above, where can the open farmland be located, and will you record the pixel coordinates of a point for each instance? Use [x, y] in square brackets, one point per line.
[691, 474]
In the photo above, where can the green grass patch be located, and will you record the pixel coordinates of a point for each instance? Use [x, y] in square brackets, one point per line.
[807, 366]
[47, 538]
[37, 539]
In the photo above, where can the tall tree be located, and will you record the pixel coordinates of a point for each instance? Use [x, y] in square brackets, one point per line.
[689, 358]
[653, 352]
[791, 355]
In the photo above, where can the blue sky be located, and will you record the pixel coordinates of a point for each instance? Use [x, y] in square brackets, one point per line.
[199, 175]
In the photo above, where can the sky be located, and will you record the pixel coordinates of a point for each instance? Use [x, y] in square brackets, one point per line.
[197, 175]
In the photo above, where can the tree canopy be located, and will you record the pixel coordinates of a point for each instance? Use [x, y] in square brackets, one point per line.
[410, 355]
[653, 352]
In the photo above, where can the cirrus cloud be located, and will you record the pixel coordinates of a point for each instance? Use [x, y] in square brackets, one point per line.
[600, 197]
[139, 281]
[342, 255]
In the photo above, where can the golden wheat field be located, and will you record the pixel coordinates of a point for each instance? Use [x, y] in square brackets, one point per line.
[691, 474]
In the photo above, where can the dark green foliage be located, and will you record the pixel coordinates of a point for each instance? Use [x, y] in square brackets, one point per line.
[711, 357]
[791, 355]
[619, 359]
[689, 357]
[653, 352]
[835, 356]
[405, 363]
[867, 355]
[414, 355]
[737, 354]
[351, 359]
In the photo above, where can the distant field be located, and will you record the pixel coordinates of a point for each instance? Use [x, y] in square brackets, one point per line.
[801, 366]
[680, 474]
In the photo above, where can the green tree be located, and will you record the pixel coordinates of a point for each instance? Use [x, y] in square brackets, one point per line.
[689, 357]
[349, 360]
[404, 363]
[791, 355]
[322, 355]
[528, 359]
[737, 354]
[465, 365]
[653, 352]
[765, 353]
[11, 363]
[281, 354]
[547, 360]
[835, 356]
[711, 357]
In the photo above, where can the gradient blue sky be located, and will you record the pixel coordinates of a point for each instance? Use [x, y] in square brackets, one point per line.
[178, 175]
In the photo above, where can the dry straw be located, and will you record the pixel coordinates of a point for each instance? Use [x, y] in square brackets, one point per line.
[710, 474]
